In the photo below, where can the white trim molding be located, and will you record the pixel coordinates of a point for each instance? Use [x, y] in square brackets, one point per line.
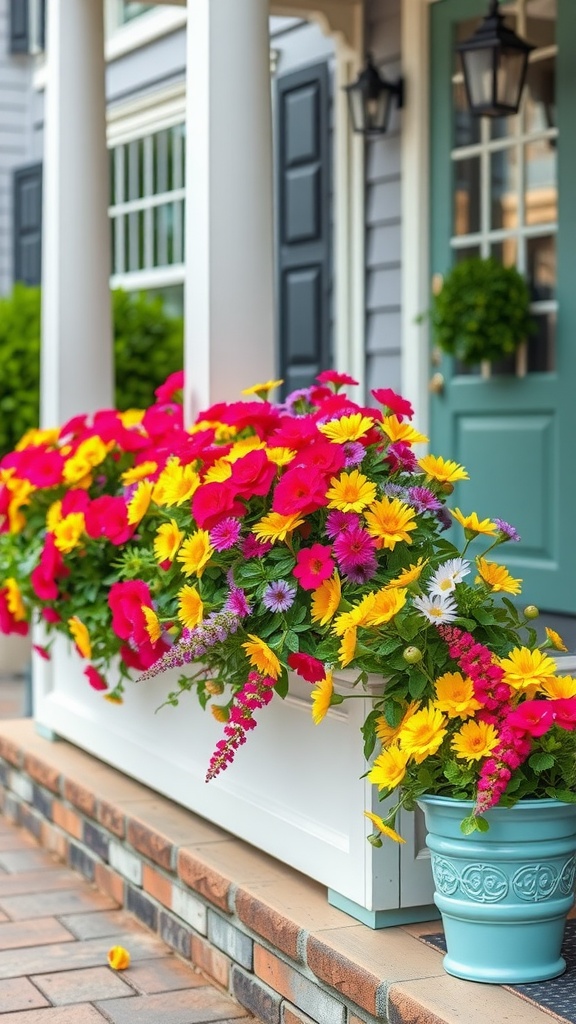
[338, 18]
[416, 206]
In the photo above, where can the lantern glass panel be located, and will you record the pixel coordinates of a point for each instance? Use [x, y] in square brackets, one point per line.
[509, 76]
[479, 74]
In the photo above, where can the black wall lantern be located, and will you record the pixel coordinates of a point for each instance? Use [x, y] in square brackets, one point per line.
[370, 100]
[494, 62]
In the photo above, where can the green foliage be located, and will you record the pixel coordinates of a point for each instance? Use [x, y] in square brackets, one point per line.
[482, 311]
[147, 348]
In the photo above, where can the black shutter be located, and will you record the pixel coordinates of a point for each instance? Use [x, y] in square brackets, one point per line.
[28, 224]
[19, 26]
[303, 231]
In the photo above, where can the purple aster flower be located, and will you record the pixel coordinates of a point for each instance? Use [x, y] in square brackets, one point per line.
[278, 596]
[298, 402]
[394, 491]
[237, 603]
[400, 456]
[423, 499]
[361, 573]
[354, 453]
[444, 518]
[225, 534]
[505, 528]
[337, 522]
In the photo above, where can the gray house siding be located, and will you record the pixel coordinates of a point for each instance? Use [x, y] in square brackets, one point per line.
[15, 136]
[383, 219]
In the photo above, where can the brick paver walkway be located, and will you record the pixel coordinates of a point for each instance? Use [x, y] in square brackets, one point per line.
[55, 933]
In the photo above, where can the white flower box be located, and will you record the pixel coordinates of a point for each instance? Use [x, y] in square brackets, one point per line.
[294, 790]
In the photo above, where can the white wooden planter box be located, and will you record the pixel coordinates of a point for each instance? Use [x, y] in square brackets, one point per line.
[294, 790]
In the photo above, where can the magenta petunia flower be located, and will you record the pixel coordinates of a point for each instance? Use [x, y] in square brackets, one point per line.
[225, 534]
[313, 566]
[354, 548]
[308, 667]
[337, 521]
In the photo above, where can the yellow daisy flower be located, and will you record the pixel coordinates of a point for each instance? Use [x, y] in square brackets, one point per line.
[474, 740]
[559, 687]
[326, 599]
[322, 698]
[167, 541]
[410, 575]
[275, 526]
[175, 484]
[131, 417]
[261, 390]
[526, 670]
[350, 492]
[136, 473]
[220, 712]
[37, 437]
[356, 616]
[390, 521]
[455, 695]
[140, 501]
[195, 553]
[68, 531]
[80, 636]
[190, 607]
[153, 627]
[218, 472]
[93, 451]
[497, 577]
[473, 525]
[281, 456]
[443, 470]
[347, 648]
[261, 657]
[347, 428]
[387, 604]
[423, 733]
[77, 472]
[388, 734]
[14, 599]
[398, 430]
[555, 639]
[53, 515]
[243, 447]
[113, 698]
[382, 827]
[389, 768]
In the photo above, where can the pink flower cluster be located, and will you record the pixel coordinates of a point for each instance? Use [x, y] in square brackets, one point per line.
[256, 693]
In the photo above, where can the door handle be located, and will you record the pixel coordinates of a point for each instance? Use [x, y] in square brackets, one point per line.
[436, 384]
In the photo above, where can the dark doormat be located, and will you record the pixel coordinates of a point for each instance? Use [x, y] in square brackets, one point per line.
[557, 996]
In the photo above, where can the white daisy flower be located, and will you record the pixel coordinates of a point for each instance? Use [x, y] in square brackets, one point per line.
[448, 575]
[437, 608]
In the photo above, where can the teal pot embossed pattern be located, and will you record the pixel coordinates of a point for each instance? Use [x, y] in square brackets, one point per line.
[504, 894]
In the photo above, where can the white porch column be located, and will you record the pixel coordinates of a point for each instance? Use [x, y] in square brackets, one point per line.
[76, 364]
[229, 237]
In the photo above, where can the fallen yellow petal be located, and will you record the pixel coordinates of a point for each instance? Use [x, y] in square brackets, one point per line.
[118, 958]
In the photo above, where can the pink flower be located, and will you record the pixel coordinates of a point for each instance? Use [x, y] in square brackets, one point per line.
[534, 717]
[300, 490]
[313, 566]
[125, 601]
[307, 667]
[225, 534]
[172, 384]
[565, 712]
[254, 548]
[253, 474]
[401, 407]
[50, 569]
[41, 651]
[213, 502]
[108, 517]
[97, 682]
[9, 624]
[333, 377]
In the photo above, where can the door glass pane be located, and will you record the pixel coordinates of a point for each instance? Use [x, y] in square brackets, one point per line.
[542, 344]
[468, 252]
[504, 188]
[541, 254]
[466, 196]
[541, 191]
[506, 251]
[540, 95]
[466, 128]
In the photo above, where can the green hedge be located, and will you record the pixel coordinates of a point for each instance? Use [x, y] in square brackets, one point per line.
[147, 347]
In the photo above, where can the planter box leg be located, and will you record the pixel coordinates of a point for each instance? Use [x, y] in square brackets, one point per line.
[382, 918]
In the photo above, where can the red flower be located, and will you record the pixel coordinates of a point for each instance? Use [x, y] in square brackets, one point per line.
[125, 601]
[107, 516]
[51, 615]
[97, 682]
[76, 500]
[326, 457]
[313, 566]
[213, 502]
[172, 384]
[565, 712]
[40, 466]
[333, 377]
[307, 667]
[534, 717]
[253, 474]
[50, 569]
[8, 624]
[296, 433]
[144, 657]
[395, 403]
[300, 490]
[41, 651]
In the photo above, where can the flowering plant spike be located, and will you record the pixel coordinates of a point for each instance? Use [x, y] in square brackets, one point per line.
[303, 537]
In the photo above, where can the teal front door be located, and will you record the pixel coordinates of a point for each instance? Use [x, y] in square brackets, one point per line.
[507, 188]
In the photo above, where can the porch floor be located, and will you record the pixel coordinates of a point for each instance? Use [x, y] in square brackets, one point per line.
[263, 934]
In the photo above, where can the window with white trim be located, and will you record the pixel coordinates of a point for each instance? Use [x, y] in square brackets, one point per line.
[147, 211]
[127, 10]
[505, 195]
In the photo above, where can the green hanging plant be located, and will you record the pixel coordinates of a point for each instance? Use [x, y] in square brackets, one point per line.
[482, 311]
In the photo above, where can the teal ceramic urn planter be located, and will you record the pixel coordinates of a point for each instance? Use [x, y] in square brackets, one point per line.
[504, 894]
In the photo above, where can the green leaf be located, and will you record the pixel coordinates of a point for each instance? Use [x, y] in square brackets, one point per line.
[481, 824]
[541, 762]
[281, 684]
[469, 825]
[291, 641]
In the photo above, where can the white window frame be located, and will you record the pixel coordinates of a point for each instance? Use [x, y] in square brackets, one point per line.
[127, 123]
